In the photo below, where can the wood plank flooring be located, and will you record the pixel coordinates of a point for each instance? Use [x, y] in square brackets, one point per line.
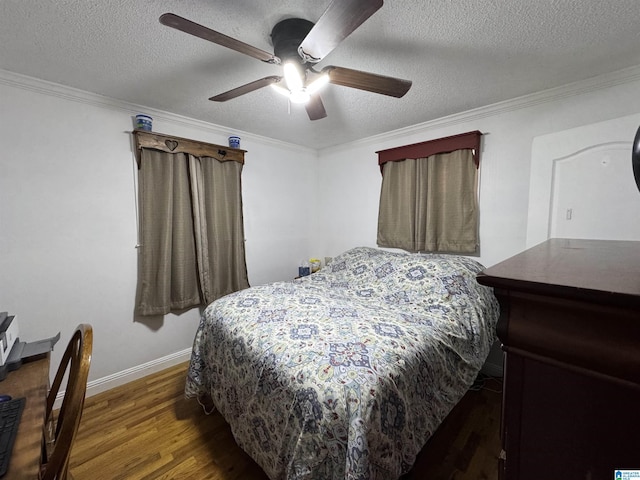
[147, 430]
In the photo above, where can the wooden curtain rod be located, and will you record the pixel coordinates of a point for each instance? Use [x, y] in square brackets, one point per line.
[171, 144]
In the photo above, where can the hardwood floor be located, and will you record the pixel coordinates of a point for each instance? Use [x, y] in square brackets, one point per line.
[147, 430]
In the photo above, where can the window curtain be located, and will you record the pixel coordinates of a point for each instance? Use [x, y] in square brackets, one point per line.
[430, 204]
[191, 231]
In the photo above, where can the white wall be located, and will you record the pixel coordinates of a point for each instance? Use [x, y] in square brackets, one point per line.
[67, 204]
[349, 176]
[68, 220]
[581, 183]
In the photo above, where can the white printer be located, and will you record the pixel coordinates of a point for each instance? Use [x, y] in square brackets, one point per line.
[13, 352]
[8, 335]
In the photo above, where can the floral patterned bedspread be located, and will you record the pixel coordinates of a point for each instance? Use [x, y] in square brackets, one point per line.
[346, 373]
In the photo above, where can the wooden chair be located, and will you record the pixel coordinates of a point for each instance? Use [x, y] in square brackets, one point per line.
[59, 433]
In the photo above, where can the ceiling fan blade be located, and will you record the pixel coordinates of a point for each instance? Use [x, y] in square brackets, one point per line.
[249, 87]
[315, 108]
[338, 21]
[192, 28]
[371, 82]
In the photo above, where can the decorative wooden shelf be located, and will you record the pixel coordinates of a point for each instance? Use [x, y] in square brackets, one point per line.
[171, 144]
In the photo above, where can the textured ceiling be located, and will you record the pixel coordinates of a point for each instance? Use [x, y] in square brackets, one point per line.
[460, 54]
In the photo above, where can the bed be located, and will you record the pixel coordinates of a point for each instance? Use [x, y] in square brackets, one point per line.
[346, 373]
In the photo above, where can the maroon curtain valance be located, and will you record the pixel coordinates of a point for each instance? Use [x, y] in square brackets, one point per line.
[469, 140]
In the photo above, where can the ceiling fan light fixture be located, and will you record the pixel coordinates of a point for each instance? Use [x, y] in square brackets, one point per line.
[292, 77]
[299, 96]
[318, 83]
[295, 96]
[281, 90]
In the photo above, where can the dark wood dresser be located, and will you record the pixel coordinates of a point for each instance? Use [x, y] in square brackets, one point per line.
[570, 329]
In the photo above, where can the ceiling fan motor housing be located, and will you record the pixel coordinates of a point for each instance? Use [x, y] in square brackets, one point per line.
[287, 35]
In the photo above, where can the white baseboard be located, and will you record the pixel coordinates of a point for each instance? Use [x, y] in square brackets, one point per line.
[129, 375]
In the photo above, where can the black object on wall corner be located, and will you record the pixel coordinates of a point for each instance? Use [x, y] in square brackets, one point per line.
[635, 158]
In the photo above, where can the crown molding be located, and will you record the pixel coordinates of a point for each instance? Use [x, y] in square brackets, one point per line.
[619, 77]
[600, 82]
[52, 89]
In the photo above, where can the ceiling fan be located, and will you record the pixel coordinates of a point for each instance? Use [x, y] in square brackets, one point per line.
[298, 45]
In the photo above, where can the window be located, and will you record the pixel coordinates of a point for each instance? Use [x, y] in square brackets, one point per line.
[191, 247]
[428, 200]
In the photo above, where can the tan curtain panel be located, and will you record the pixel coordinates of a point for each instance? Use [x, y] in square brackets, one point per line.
[191, 231]
[430, 204]
[221, 228]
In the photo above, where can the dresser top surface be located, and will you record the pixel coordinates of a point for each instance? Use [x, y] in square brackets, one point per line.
[572, 267]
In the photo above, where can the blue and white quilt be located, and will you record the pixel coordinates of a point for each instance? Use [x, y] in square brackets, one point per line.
[346, 373]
